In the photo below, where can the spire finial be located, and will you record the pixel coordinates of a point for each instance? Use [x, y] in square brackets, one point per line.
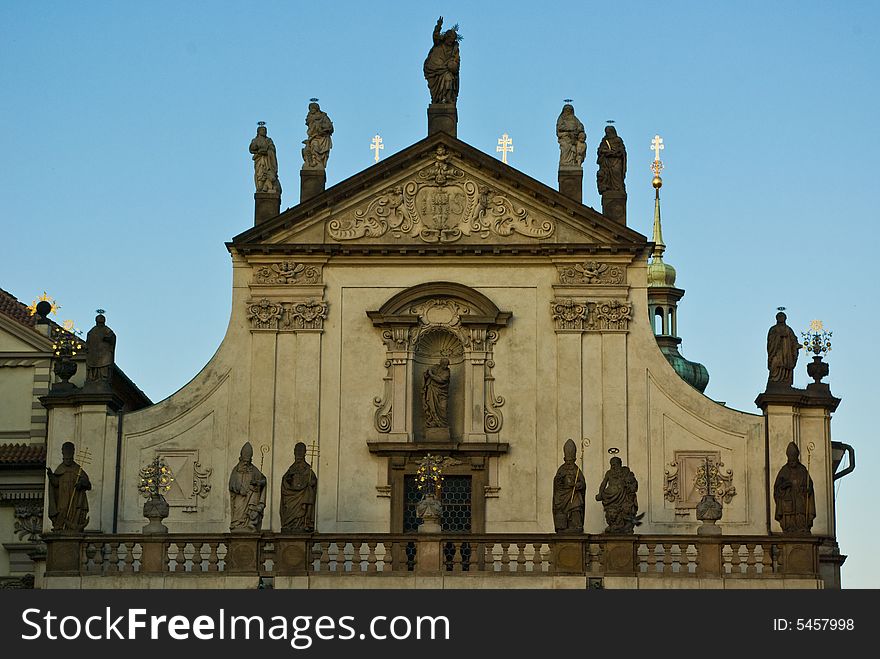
[657, 166]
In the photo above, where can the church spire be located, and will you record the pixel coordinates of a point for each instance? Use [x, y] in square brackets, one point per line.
[663, 296]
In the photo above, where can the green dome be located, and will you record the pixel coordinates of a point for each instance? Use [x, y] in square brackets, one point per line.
[693, 373]
[660, 274]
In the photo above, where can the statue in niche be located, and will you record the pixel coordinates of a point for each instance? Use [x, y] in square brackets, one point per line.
[318, 143]
[572, 138]
[782, 353]
[101, 347]
[611, 157]
[442, 64]
[298, 488]
[265, 162]
[618, 496]
[247, 493]
[569, 487]
[68, 484]
[793, 494]
[435, 398]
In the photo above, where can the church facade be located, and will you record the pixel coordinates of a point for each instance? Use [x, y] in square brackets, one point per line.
[441, 303]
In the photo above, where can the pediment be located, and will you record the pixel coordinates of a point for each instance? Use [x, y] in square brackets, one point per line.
[440, 191]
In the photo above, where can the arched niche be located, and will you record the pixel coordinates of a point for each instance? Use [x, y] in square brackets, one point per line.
[417, 325]
[432, 346]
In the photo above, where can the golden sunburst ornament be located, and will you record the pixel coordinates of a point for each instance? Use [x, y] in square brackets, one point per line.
[32, 308]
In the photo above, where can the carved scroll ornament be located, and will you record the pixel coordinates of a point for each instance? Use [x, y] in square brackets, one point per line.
[440, 204]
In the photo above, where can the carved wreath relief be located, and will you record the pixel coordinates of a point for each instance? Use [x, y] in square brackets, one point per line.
[439, 205]
[287, 272]
[591, 272]
[591, 315]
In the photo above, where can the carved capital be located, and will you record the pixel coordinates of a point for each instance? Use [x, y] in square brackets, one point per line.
[307, 315]
[575, 315]
[264, 314]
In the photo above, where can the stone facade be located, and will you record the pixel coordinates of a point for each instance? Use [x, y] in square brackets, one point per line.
[309, 357]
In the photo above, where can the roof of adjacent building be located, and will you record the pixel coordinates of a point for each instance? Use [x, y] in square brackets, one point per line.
[13, 308]
[19, 455]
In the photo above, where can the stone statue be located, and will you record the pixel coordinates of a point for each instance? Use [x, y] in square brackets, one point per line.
[298, 488]
[618, 496]
[265, 162]
[68, 504]
[247, 493]
[569, 487]
[442, 63]
[572, 138]
[782, 353]
[435, 395]
[101, 347]
[318, 144]
[793, 494]
[611, 157]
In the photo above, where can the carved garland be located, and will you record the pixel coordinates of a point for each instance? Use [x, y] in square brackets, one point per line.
[591, 315]
[28, 522]
[591, 272]
[287, 272]
[299, 315]
[720, 480]
[439, 205]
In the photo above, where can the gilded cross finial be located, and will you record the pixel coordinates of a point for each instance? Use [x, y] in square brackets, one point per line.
[505, 146]
[657, 146]
[376, 145]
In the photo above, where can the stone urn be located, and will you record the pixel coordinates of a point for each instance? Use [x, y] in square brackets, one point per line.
[155, 510]
[429, 510]
[709, 511]
[817, 369]
[64, 368]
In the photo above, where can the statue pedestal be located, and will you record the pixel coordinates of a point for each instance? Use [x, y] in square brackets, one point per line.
[155, 509]
[429, 510]
[443, 118]
[614, 206]
[436, 434]
[571, 182]
[312, 182]
[266, 205]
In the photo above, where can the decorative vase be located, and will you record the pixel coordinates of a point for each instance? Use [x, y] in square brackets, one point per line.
[429, 510]
[709, 511]
[155, 510]
[817, 369]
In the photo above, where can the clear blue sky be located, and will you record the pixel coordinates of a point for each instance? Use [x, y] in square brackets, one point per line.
[124, 163]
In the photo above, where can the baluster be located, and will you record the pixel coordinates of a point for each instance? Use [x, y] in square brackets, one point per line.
[505, 557]
[751, 560]
[735, 559]
[675, 558]
[198, 557]
[693, 558]
[213, 559]
[521, 557]
[371, 557]
[651, 558]
[766, 554]
[324, 561]
[99, 557]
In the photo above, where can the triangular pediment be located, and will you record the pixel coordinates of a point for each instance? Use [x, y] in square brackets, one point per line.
[440, 191]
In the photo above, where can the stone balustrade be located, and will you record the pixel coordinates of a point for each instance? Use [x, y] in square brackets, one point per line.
[267, 556]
